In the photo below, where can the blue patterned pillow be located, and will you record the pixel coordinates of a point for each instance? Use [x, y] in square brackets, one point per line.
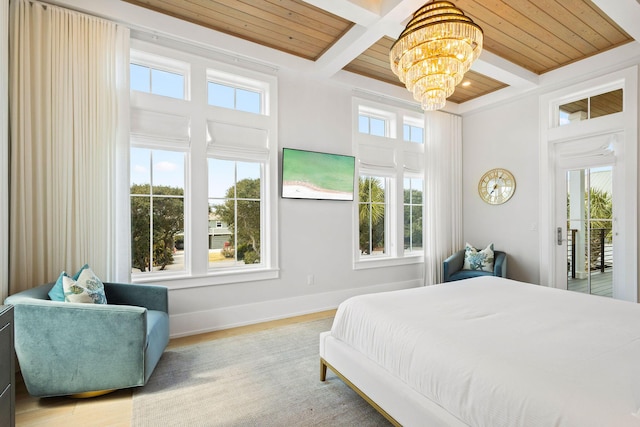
[56, 293]
[87, 289]
[478, 260]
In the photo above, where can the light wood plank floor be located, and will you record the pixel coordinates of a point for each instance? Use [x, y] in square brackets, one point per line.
[115, 409]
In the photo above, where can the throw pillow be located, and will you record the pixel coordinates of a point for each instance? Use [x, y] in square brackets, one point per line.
[87, 289]
[478, 260]
[56, 293]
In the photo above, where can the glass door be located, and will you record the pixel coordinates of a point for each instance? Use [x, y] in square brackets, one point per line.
[589, 230]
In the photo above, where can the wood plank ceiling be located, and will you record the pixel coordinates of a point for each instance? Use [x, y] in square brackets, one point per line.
[537, 35]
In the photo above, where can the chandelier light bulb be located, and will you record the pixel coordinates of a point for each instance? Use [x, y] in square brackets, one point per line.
[434, 51]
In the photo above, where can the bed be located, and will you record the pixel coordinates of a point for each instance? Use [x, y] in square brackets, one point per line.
[489, 351]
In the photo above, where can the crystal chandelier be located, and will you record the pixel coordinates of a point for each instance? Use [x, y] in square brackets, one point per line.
[435, 50]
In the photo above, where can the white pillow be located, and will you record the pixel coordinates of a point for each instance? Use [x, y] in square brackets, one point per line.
[87, 289]
[478, 260]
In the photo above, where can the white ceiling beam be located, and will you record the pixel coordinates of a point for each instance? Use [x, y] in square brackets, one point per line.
[360, 12]
[362, 36]
[500, 69]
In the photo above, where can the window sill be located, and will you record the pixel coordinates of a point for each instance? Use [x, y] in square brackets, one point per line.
[226, 277]
[380, 262]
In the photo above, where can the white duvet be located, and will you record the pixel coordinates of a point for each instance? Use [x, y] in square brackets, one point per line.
[496, 352]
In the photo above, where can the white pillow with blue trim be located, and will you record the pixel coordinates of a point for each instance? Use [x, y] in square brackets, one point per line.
[87, 289]
[478, 260]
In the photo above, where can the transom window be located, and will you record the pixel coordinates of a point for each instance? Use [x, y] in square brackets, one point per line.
[413, 133]
[157, 82]
[370, 125]
[220, 95]
[591, 107]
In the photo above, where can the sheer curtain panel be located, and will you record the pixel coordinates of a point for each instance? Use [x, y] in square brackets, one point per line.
[64, 127]
[4, 150]
[443, 178]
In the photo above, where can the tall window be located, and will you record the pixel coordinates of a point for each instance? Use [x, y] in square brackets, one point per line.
[390, 208]
[413, 212]
[235, 193]
[157, 210]
[372, 209]
[188, 157]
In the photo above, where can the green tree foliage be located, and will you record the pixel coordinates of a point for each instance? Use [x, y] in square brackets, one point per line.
[168, 220]
[245, 220]
[371, 214]
[413, 219]
[600, 207]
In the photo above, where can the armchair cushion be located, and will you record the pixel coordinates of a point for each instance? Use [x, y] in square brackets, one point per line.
[86, 289]
[57, 291]
[475, 259]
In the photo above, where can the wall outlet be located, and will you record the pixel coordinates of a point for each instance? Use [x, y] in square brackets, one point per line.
[310, 279]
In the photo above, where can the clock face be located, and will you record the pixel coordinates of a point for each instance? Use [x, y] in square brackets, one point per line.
[496, 186]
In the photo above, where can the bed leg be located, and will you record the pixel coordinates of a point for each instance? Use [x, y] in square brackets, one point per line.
[323, 370]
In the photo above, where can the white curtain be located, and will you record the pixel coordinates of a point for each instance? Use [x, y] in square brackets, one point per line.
[64, 83]
[443, 178]
[4, 150]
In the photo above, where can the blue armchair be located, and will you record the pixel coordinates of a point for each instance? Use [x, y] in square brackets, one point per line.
[66, 348]
[452, 267]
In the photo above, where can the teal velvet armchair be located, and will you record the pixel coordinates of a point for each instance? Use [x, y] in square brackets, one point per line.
[66, 348]
[452, 267]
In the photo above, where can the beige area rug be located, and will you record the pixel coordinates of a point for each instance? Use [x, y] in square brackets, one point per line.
[266, 378]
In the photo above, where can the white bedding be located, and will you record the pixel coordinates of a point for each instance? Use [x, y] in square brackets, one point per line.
[496, 352]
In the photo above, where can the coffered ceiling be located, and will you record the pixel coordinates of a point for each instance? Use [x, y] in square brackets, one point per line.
[522, 38]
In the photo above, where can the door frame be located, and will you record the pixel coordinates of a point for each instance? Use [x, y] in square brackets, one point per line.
[626, 157]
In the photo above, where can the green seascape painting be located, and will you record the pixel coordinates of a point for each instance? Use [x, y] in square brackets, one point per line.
[314, 175]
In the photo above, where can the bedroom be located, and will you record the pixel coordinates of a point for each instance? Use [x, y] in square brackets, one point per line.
[503, 132]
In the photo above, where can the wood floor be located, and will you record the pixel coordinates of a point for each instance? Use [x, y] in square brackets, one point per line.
[115, 409]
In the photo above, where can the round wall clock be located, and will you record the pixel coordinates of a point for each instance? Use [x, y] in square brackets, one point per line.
[497, 186]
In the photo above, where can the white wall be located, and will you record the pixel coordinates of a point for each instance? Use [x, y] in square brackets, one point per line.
[315, 236]
[505, 136]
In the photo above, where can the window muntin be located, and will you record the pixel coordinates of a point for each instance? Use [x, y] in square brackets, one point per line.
[413, 214]
[371, 125]
[372, 213]
[413, 133]
[235, 198]
[156, 81]
[235, 98]
[157, 196]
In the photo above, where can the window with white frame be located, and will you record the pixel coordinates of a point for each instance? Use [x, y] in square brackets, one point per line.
[157, 210]
[413, 130]
[171, 188]
[390, 209]
[413, 213]
[371, 125]
[234, 92]
[235, 195]
[372, 214]
[158, 76]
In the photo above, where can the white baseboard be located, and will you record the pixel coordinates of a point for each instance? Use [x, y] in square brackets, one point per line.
[247, 314]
